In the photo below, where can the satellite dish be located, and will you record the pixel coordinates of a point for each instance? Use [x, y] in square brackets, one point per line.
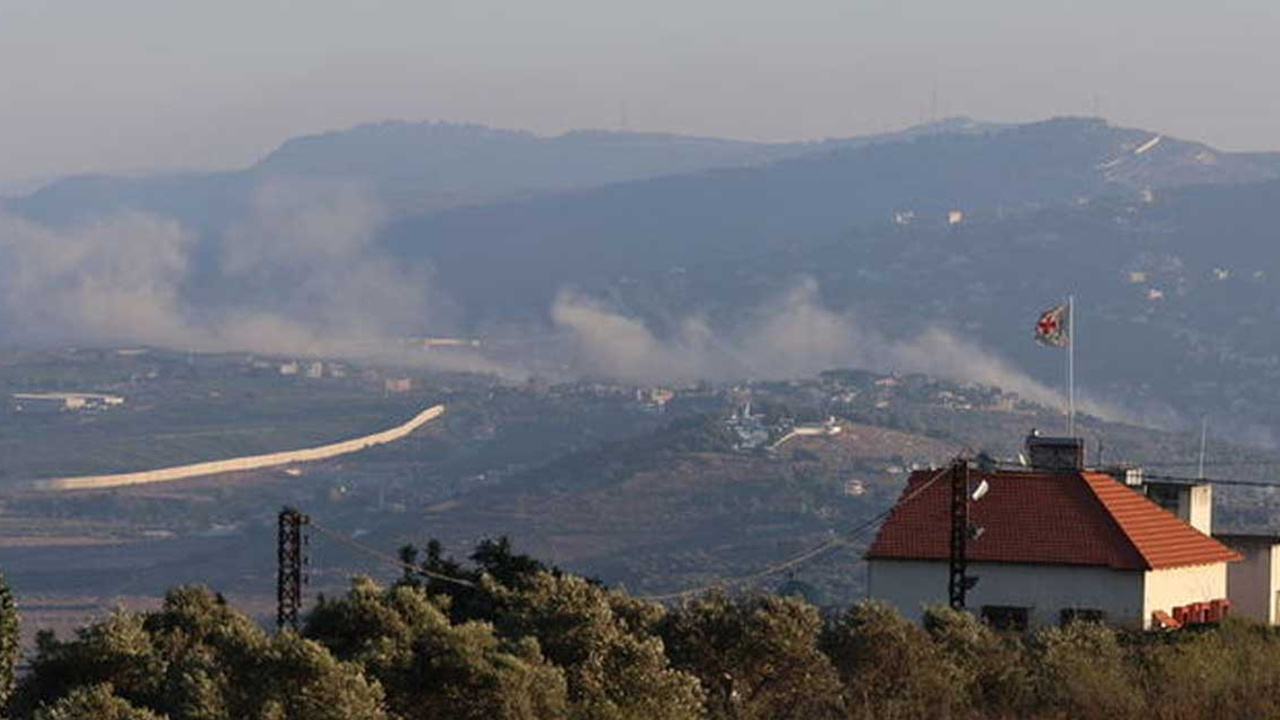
[980, 491]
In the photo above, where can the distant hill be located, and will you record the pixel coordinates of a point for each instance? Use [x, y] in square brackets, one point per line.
[506, 257]
[426, 166]
[663, 227]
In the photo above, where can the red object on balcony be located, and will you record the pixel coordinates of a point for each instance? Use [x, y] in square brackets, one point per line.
[1219, 609]
[1213, 613]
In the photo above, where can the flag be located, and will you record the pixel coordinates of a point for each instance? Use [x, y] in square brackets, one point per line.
[1053, 326]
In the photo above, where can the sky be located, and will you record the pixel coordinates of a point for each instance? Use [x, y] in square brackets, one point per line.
[144, 85]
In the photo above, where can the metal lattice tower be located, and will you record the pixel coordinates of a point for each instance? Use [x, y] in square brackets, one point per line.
[957, 580]
[291, 560]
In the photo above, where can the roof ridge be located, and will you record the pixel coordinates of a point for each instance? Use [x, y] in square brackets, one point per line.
[1096, 480]
[1048, 518]
[1084, 477]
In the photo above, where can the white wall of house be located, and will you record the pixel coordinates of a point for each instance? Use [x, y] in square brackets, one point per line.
[1173, 587]
[1253, 584]
[1046, 590]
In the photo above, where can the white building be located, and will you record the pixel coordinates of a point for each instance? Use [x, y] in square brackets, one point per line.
[1253, 584]
[1054, 545]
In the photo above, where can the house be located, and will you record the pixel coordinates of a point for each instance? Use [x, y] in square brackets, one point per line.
[1054, 544]
[397, 385]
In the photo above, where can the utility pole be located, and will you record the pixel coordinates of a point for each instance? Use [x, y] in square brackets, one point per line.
[962, 531]
[291, 558]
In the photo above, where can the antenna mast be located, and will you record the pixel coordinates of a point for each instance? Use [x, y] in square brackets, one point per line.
[1071, 366]
[1204, 435]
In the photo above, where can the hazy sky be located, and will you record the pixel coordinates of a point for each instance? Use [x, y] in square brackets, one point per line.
[144, 84]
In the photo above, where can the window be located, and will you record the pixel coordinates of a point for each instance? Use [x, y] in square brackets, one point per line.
[1006, 617]
[1070, 615]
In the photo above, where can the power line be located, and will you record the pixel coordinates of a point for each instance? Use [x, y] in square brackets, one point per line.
[389, 559]
[1214, 481]
[803, 557]
[1213, 463]
[814, 552]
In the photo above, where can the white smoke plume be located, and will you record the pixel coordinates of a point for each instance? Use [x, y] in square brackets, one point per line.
[298, 274]
[791, 336]
[116, 278]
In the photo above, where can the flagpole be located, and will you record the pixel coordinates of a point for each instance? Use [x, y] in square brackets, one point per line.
[1071, 366]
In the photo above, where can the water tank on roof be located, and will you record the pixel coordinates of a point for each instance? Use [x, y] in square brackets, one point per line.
[1054, 453]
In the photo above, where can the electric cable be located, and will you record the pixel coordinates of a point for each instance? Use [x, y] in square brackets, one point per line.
[389, 559]
[803, 557]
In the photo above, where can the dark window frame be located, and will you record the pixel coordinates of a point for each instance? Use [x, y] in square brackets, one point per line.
[1074, 614]
[1013, 618]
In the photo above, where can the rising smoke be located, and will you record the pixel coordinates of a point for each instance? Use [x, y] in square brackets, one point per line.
[298, 274]
[792, 335]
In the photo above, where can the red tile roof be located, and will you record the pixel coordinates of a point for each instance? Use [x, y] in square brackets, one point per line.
[1071, 518]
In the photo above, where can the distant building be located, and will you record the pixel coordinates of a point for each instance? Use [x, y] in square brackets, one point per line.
[955, 217]
[828, 428]
[289, 368]
[59, 402]
[397, 385]
[654, 399]
[1055, 545]
[315, 370]
[1254, 584]
[750, 430]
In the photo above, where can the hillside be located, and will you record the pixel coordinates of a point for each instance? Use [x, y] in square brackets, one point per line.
[531, 249]
[680, 506]
[1143, 228]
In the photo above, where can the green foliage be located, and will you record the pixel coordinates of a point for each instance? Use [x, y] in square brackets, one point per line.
[9, 642]
[992, 666]
[96, 702]
[890, 666]
[431, 668]
[614, 668]
[755, 658]
[1080, 672]
[540, 644]
[1232, 671]
[197, 659]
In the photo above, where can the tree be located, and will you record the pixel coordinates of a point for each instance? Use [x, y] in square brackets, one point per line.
[756, 658]
[614, 667]
[431, 668]
[9, 642]
[1079, 670]
[198, 659]
[991, 666]
[95, 702]
[890, 667]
